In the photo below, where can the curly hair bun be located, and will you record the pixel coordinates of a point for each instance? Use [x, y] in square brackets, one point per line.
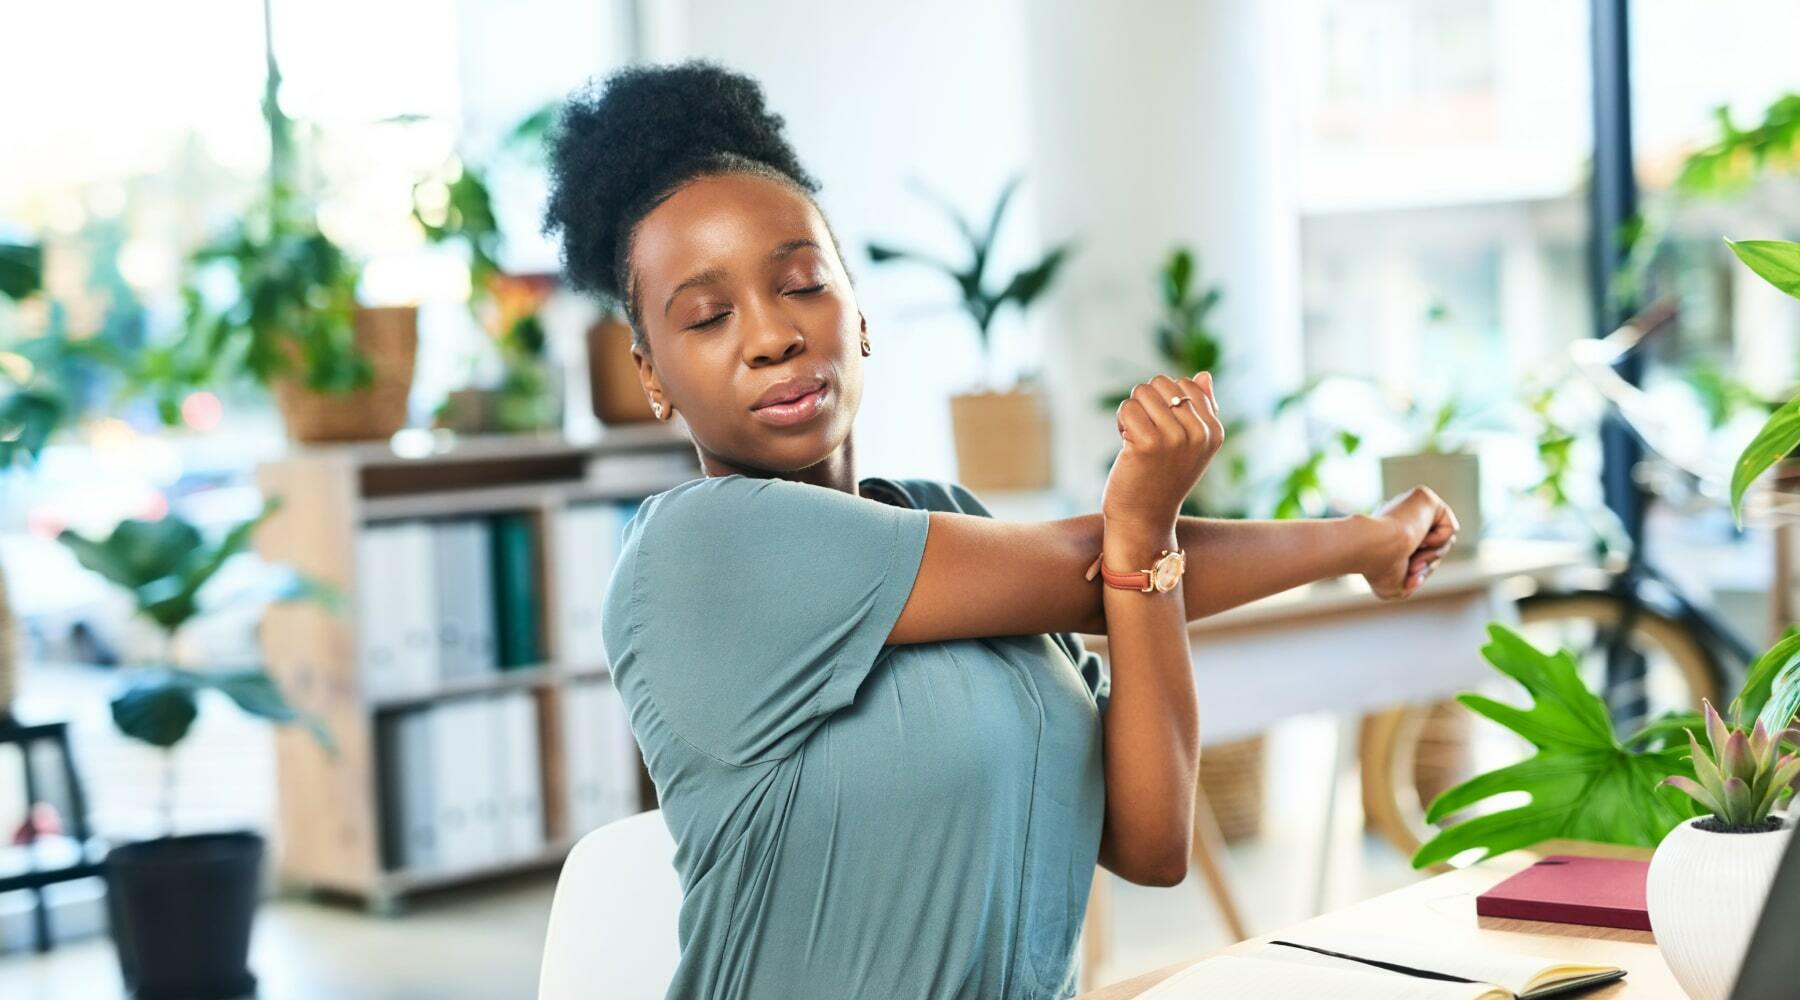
[623, 146]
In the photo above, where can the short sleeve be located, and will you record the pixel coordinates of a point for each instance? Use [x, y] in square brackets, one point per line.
[953, 496]
[758, 606]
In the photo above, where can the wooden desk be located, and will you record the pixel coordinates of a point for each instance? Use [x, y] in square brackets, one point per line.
[1334, 647]
[1446, 904]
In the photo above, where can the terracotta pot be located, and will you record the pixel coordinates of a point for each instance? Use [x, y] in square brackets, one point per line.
[1002, 440]
[612, 375]
[1704, 893]
[1455, 476]
[389, 336]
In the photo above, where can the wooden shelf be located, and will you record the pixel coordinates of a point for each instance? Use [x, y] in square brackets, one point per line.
[500, 680]
[330, 805]
[544, 675]
[496, 499]
[403, 881]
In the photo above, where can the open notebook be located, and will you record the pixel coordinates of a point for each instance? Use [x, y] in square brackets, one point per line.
[1379, 969]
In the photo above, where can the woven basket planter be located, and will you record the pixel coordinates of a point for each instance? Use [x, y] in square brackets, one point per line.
[389, 336]
[1231, 777]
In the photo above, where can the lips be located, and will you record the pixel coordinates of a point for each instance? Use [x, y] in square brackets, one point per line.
[789, 389]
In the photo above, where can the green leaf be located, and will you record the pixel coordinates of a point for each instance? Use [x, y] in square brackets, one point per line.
[1779, 662]
[21, 269]
[1666, 731]
[1779, 435]
[1028, 284]
[157, 707]
[255, 692]
[137, 553]
[881, 253]
[1581, 783]
[1710, 799]
[1775, 261]
[1706, 771]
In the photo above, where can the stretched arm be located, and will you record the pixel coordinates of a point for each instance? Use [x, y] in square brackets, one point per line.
[982, 576]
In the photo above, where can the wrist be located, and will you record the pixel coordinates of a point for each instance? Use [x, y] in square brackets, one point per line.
[1370, 540]
[1128, 547]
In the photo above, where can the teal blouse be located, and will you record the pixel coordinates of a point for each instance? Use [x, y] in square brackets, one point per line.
[851, 818]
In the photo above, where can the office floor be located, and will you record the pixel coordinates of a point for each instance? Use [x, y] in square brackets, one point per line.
[483, 944]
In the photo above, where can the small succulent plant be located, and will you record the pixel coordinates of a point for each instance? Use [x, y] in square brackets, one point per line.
[1744, 778]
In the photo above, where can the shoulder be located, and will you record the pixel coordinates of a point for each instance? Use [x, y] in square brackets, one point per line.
[941, 494]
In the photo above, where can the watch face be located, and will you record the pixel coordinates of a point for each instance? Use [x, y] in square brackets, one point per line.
[1168, 570]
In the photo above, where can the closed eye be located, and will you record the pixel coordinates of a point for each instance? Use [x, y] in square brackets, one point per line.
[808, 290]
[712, 321]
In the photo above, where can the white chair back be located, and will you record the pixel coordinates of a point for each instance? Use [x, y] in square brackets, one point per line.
[612, 929]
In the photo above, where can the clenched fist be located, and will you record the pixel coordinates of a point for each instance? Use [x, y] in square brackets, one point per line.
[1170, 430]
[1417, 529]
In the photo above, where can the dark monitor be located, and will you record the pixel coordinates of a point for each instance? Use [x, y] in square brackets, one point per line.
[1771, 968]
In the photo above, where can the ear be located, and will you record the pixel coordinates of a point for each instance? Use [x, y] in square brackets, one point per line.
[646, 373]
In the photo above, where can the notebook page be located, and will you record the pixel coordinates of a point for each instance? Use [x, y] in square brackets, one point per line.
[1469, 959]
[1230, 977]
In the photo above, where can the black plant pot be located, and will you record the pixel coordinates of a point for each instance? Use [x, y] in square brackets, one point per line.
[181, 909]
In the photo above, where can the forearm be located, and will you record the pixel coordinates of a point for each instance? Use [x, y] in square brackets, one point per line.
[1152, 731]
[1232, 562]
[1235, 562]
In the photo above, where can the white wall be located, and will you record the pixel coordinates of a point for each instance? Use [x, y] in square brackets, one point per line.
[875, 95]
[1139, 123]
[1159, 123]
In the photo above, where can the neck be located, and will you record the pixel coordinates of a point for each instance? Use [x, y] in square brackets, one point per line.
[836, 471]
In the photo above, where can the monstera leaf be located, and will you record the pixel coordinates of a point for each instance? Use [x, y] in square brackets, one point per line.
[1583, 782]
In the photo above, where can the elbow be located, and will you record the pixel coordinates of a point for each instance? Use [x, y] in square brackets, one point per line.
[1165, 867]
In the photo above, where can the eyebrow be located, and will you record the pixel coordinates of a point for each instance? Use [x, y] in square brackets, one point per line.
[713, 274]
[705, 277]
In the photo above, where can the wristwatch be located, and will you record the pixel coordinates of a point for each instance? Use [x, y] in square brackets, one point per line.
[1162, 576]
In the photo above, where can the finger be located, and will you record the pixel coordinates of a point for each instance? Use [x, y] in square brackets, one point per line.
[1134, 424]
[1204, 381]
[1199, 389]
[1155, 403]
[1430, 551]
[1190, 412]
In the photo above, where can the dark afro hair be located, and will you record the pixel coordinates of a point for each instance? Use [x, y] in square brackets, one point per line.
[622, 147]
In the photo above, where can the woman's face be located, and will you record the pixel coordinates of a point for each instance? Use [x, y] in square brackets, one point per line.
[743, 300]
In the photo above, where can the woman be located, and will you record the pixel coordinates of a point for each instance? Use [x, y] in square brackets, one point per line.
[878, 743]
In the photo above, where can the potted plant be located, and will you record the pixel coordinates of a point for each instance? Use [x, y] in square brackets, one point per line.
[181, 905]
[1442, 458]
[1002, 433]
[455, 206]
[338, 371]
[1709, 876]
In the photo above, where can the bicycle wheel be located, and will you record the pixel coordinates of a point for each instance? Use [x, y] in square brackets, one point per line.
[1410, 753]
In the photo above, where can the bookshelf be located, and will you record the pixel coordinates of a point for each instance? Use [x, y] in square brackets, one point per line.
[347, 822]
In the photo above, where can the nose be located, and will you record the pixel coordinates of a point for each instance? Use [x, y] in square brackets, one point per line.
[772, 340]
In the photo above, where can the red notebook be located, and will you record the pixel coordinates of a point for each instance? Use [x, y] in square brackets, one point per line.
[1597, 892]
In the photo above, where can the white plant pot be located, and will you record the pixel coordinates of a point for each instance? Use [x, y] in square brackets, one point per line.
[1704, 893]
